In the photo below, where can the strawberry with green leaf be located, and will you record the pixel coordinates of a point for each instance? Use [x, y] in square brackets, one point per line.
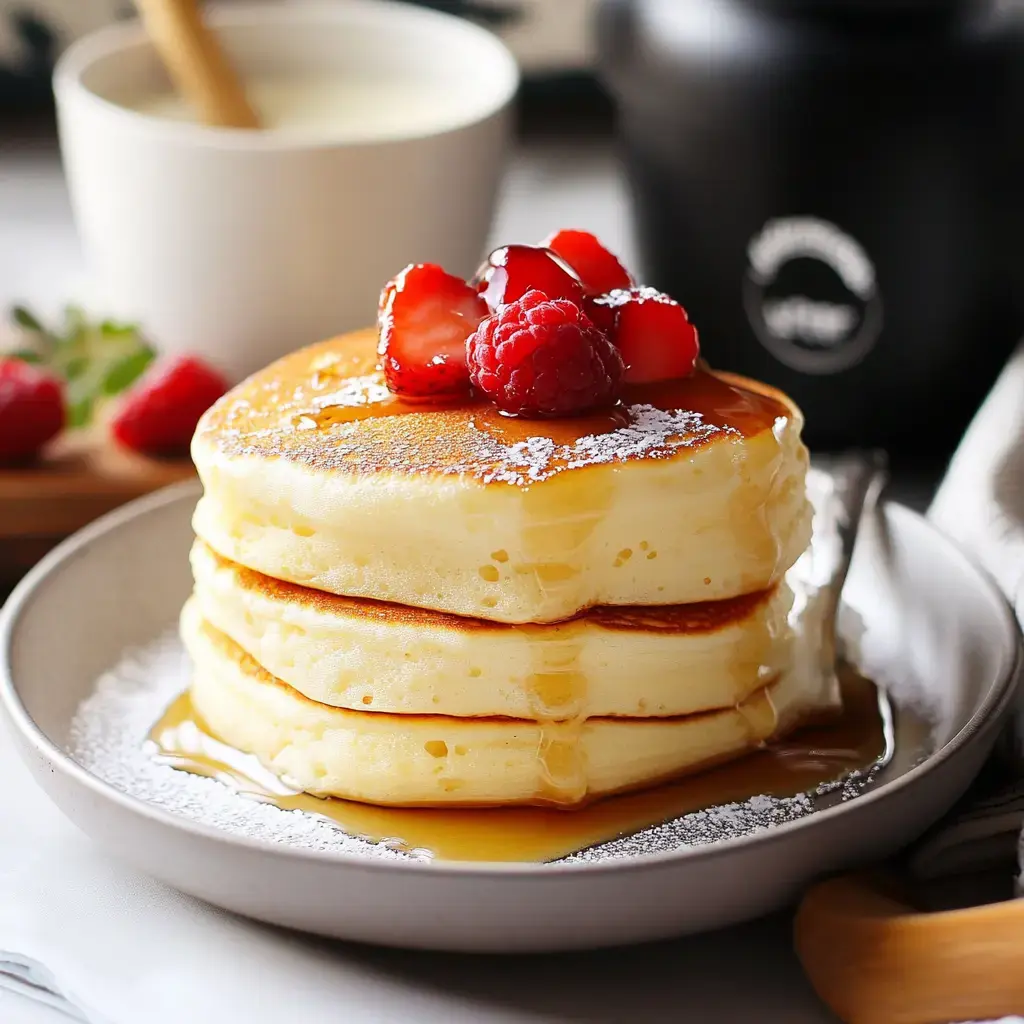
[95, 360]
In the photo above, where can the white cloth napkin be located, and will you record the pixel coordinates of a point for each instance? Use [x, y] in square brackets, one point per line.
[981, 500]
[981, 504]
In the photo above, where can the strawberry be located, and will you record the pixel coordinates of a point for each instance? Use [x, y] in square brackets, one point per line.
[595, 266]
[32, 410]
[652, 332]
[513, 270]
[602, 315]
[425, 317]
[159, 415]
[96, 360]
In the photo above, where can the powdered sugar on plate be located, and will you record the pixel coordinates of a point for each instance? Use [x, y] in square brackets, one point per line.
[109, 737]
[729, 821]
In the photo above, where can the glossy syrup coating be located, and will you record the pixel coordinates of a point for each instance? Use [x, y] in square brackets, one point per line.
[328, 407]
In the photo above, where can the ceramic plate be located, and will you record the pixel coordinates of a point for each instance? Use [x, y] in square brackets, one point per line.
[929, 625]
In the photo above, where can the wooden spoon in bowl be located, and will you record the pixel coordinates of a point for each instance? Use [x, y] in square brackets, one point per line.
[197, 63]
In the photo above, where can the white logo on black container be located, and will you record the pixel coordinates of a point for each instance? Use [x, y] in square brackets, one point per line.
[811, 295]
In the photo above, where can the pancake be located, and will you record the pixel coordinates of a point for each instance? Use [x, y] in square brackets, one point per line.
[688, 491]
[429, 760]
[370, 656]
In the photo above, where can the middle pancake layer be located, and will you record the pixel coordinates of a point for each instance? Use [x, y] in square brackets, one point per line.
[435, 760]
[624, 662]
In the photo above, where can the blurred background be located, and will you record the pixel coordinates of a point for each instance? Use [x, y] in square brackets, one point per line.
[831, 187]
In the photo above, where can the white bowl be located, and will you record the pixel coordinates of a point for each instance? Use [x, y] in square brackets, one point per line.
[935, 628]
[245, 245]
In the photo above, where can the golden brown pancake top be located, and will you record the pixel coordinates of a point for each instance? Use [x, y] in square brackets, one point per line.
[327, 407]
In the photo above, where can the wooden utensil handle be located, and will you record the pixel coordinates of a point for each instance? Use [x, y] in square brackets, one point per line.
[197, 63]
[875, 960]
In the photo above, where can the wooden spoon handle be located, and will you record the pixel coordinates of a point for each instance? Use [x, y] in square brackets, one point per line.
[197, 63]
[875, 960]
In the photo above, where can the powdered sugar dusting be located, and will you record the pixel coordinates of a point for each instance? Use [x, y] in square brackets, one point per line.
[329, 408]
[649, 432]
[109, 738]
[729, 821]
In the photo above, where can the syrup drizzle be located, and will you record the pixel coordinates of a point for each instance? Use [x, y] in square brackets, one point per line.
[859, 740]
[705, 405]
[334, 390]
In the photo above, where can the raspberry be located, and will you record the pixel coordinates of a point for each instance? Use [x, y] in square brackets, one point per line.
[31, 410]
[159, 415]
[541, 357]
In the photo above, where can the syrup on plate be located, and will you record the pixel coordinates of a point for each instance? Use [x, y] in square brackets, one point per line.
[855, 742]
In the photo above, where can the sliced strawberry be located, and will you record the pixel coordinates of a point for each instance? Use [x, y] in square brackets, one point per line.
[513, 270]
[595, 266]
[426, 315]
[32, 410]
[652, 332]
[159, 415]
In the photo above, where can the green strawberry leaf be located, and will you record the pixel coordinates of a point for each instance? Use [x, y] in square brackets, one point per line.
[80, 411]
[127, 370]
[95, 359]
[23, 318]
[75, 368]
[114, 329]
[26, 355]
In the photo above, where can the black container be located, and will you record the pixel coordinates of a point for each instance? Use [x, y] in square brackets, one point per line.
[834, 189]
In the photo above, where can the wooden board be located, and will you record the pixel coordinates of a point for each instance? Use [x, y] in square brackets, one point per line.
[80, 478]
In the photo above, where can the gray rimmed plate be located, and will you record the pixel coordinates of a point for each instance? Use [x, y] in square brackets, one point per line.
[930, 626]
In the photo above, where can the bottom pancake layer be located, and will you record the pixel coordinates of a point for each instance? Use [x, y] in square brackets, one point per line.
[424, 760]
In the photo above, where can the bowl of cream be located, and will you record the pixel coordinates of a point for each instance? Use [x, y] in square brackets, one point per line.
[382, 141]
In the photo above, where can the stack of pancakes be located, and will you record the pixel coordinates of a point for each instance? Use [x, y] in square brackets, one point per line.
[422, 605]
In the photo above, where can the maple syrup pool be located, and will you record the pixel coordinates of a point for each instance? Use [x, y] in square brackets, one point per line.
[843, 754]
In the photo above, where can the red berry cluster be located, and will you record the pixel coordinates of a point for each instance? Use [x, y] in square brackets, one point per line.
[156, 417]
[543, 330]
